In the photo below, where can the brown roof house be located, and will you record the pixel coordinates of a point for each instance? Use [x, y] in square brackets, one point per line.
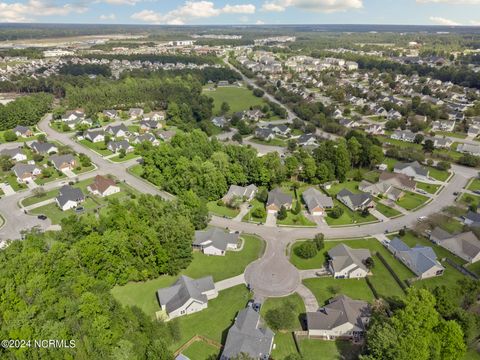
[276, 199]
[103, 186]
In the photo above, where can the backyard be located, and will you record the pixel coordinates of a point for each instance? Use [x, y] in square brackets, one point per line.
[221, 210]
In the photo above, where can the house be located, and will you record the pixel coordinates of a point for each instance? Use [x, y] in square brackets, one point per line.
[348, 263]
[22, 131]
[412, 169]
[403, 135]
[146, 125]
[264, 134]
[95, 136]
[341, 318]
[471, 219]
[394, 115]
[248, 335]
[469, 149]
[117, 130]
[381, 188]
[347, 122]
[146, 137]
[422, 260]
[375, 129]
[117, 146]
[465, 245]
[253, 115]
[400, 181]
[154, 116]
[307, 140]
[103, 186]
[26, 173]
[473, 131]
[16, 154]
[316, 201]
[135, 113]
[276, 199]
[381, 112]
[282, 130]
[69, 197]
[43, 147]
[355, 201]
[73, 115]
[63, 162]
[215, 241]
[111, 114]
[186, 296]
[246, 193]
[443, 125]
[166, 135]
[439, 142]
[220, 121]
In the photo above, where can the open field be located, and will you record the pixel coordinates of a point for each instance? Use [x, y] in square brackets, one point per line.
[214, 208]
[239, 98]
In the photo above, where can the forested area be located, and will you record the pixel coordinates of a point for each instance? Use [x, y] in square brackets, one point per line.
[57, 285]
[26, 110]
[207, 167]
[85, 69]
[31, 53]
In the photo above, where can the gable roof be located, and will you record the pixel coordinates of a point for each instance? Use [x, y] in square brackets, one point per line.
[42, 147]
[415, 165]
[58, 160]
[466, 244]
[101, 184]
[398, 179]
[215, 237]
[20, 169]
[343, 256]
[314, 198]
[68, 193]
[340, 310]
[419, 259]
[356, 200]
[184, 289]
[278, 198]
[240, 191]
[248, 335]
[12, 152]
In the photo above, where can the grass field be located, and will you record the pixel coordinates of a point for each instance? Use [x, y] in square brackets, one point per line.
[470, 199]
[214, 208]
[349, 185]
[328, 287]
[296, 220]
[129, 156]
[142, 294]
[429, 188]
[348, 217]
[474, 185]
[200, 350]
[99, 147]
[387, 210]
[440, 175]
[329, 350]
[411, 200]
[136, 170]
[294, 299]
[239, 98]
[273, 142]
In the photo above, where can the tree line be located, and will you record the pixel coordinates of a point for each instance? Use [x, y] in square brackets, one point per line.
[25, 110]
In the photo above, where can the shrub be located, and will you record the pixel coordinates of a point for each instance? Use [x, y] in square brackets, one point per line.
[282, 317]
[258, 213]
[401, 232]
[220, 203]
[9, 136]
[336, 212]
[282, 214]
[306, 250]
[319, 241]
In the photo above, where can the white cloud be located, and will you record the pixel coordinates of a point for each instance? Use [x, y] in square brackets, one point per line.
[191, 10]
[260, 22]
[325, 6]
[452, 2]
[443, 21]
[107, 17]
[31, 10]
[120, 2]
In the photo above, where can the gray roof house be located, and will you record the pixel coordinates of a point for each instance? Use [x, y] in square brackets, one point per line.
[307, 140]
[24, 131]
[243, 192]
[471, 219]
[422, 260]
[316, 201]
[341, 318]
[355, 201]
[146, 137]
[16, 154]
[25, 172]
[264, 134]
[220, 121]
[465, 245]
[348, 263]
[277, 198]
[413, 169]
[186, 296]
[381, 187]
[215, 241]
[63, 162]
[117, 130]
[69, 197]
[43, 147]
[95, 135]
[280, 129]
[248, 335]
[117, 146]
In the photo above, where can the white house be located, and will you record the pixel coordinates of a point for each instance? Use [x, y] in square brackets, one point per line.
[215, 241]
[69, 197]
[348, 263]
[103, 186]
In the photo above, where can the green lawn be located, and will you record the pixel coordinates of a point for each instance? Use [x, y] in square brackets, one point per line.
[383, 281]
[239, 98]
[470, 199]
[387, 210]
[127, 157]
[328, 287]
[475, 267]
[474, 185]
[55, 214]
[296, 220]
[284, 345]
[440, 175]
[99, 147]
[294, 299]
[142, 294]
[273, 142]
[429, 188]
[200, 350]
[36, 199]
[250, 218]
[136, 170]
[411, 200]
[329, 350]
[214, 208]
[349, 185]
[348, 217]
[454, 134]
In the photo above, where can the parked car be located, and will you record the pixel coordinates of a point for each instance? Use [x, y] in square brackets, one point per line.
[42, 217]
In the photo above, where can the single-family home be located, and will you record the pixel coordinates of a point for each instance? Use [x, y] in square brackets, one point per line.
[473, 131]
[264, 134]
[26, 173]
[103, 186]
[276, 199]
[63, 162]
[69, 197]
[403, 135]
[111, 113]
[43, 147]
[95, 136]
[220, 121]
[341, 318]
[412, 169]
[348, 263]
[146, 137]
[16, 154]
[166, 135]
[355, 202]
[117, 146]
[347, 122]
[394, 115]
[146, 125]
[317, 202]
[440, 142]
[186, 296]
[117, 130]
[246, 193]
[135, 113]
[381, 188]
[465, 245]
[253, 115]
[443, 125]
[154, 116]
[22, 131]
[469, 149]
[375, 129]
[471, 218]
[422, 260]
[307, 140]
[73, 115]
[248, 336]
[215, 241]
[280, 129]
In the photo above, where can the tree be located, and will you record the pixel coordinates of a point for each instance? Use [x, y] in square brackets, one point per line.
[369, 263]
[258, 213]
[355, 149]
[5, 162]
[282, 214]
[306, 250]
[443, 165]
[262, 195]
[39, 192]
[258, 92]
[428, 146]
[10, 136]
[122, 153]
[42, 138]
[224, 108]
[418, 139]
[319, 241]
[238, 138]
[297, 208]
[336, 212]
[282, 317]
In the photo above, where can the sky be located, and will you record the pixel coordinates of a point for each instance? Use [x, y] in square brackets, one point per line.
[220, 12]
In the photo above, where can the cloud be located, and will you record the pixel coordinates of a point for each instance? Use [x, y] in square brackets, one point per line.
[120, 2]
[31, 10]
[325, 6]
[189, 11]
[260, 22]
[442, 21]
[107, 17]
[450, 2]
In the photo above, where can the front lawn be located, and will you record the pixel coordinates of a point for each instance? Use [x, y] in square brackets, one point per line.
[55, 214]
[349, 185]
[273, 142]
[249, 216]
[348, 217]
[127, 157]
[327, 287]
[142, 294]
[474, 185]
[411, 200]
[329, 350]
[440, 175]
[469, 199]
[295, 300]
[98, 147]
[387, 210]
[429, 188]
[225, 211]
[136, 170]
[296, 220]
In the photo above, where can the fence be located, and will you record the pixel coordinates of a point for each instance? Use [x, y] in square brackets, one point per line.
[196, 338]
[462, 269]
[402, 284]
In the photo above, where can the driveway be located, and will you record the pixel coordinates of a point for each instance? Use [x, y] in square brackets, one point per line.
[31, 185]
[378, 215]
[271, 219]
[309, 299]
[69, 173]
[244, 209]
[230, 282]
[7, 189]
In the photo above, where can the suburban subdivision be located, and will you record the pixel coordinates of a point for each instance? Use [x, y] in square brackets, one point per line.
[240, 192]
